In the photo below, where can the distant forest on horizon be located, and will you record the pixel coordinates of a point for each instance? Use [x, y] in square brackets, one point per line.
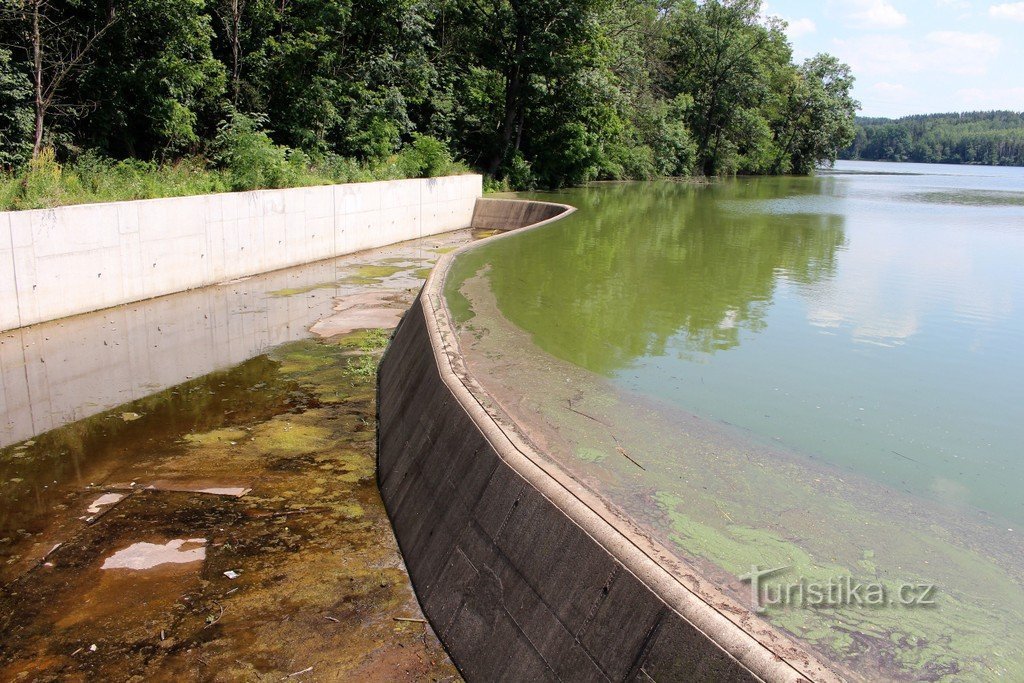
[994, 138]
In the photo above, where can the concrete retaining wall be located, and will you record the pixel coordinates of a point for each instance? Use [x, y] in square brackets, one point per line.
[511, 214]
[523, 573]
[74, 259]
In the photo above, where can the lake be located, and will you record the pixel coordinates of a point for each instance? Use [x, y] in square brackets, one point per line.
[822, 374]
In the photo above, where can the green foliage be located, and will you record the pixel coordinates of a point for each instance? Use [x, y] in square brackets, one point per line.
[15, 112]
[535, 93]
[44, 182]
[161, 86]
[250, 157]
[426, 157]
[995, 138]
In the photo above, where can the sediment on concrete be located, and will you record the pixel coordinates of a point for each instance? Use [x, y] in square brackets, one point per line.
[522, 574]
[60, 262]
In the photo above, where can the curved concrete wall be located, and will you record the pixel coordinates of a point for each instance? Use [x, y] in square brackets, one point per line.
[524, 574]
[75, 259]
[512, 214]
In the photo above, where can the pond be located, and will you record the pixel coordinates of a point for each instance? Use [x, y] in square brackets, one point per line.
[821, 375]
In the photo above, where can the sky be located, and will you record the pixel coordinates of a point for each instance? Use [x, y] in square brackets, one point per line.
[917, 56]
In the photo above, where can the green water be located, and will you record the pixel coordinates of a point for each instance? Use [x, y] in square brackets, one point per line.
[873, 321]
[829, 375]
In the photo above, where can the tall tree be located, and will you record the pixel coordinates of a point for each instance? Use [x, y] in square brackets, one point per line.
[718, 54]
[59, 39]
[817, 121]
[16, 112]
[162, 86]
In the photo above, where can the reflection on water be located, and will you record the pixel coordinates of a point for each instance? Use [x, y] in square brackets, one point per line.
[851, 342]
[652, 263]
[59, 372]
[833, 305]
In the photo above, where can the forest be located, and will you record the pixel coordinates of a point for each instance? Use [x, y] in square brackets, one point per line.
[995, 138]
[141, 97]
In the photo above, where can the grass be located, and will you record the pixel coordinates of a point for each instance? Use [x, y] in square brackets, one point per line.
[370, 343]
[45, 183]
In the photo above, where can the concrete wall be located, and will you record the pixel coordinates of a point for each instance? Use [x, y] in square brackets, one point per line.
[59, 262]
[511, 214]
[523, 573]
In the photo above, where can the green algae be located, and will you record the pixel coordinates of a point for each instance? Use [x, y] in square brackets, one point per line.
[587, 454]
[294, 291]
[326, 368]
[422, 273]
[370, 275]
[282, 436]
[217, 437]
[922, 642]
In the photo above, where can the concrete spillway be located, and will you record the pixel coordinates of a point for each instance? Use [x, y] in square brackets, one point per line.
[522, 571]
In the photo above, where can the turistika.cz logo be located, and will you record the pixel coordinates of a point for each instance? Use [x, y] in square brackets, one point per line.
[840, 591]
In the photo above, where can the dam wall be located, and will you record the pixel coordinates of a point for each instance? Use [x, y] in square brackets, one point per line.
[523, 573]
[76, 259]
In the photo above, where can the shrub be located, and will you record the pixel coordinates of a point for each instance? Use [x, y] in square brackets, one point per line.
[426, 157]
[249, 156]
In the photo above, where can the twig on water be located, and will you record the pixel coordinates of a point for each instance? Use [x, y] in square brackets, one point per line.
[414, 619]
[579, 412]
[298, 673]
[624, 454]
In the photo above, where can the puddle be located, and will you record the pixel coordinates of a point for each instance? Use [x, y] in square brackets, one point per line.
[68, 370]
[144, 555]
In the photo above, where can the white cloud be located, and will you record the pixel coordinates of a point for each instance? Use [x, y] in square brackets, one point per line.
[963, 53]
[1014, 11]
[941, 52]
[800, 27]
[896, 90]
[875, 14]
[975, 99]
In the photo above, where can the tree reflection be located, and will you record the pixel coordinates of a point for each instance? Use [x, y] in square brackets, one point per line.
[639, 264]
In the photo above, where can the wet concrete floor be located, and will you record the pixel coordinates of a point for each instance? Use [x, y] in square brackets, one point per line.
[228, 526]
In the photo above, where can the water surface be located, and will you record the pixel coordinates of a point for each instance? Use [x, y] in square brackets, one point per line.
[858, 331]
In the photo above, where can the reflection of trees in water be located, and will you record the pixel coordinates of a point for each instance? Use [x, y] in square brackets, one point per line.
[639, 264]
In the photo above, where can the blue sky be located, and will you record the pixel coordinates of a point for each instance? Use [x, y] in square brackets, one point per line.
[920, 56]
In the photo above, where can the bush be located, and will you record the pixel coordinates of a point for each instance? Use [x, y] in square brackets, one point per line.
[519, 173]
[249, 156]
[426, 157]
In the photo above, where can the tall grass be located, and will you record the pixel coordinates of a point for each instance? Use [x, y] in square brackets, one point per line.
[244, 158]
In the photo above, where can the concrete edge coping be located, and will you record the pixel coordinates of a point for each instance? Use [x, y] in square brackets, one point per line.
[764, 650]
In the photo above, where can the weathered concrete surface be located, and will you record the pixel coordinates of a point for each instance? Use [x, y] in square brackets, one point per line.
[524, 574]
[75, 259]
[510, 214]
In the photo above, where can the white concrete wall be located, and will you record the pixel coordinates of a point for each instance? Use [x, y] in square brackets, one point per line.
[74, 259]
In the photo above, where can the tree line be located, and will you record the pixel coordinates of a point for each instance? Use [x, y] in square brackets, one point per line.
[536, 93]
[995, 138]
